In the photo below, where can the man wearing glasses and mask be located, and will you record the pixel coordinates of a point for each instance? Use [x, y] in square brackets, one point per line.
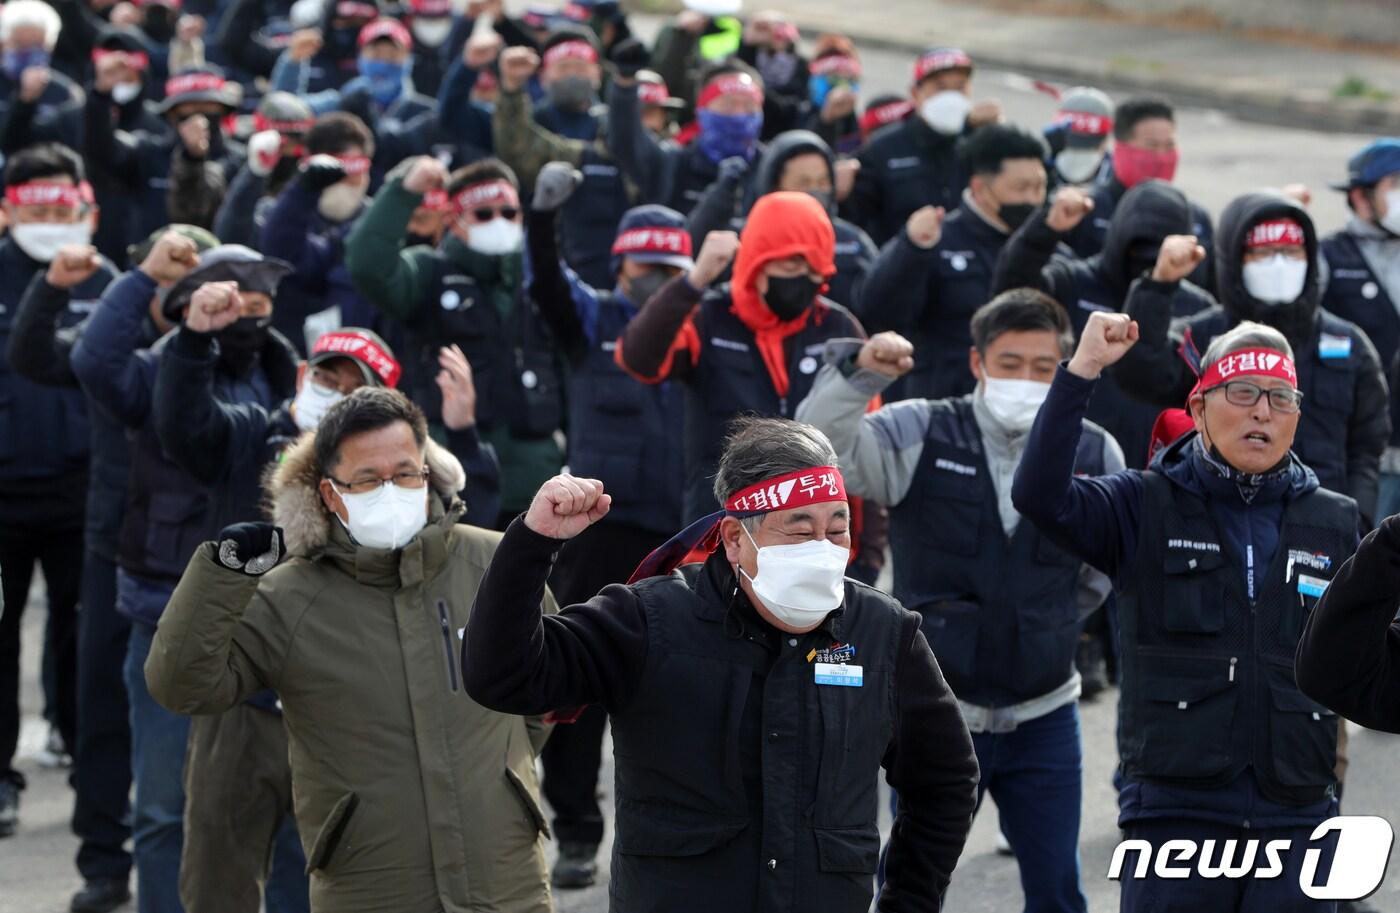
[468, 291]
[407, 794]
[1219, 551]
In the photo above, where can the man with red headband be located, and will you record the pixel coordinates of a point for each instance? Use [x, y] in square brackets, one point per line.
[754, 698]
[44, 462]
[752, 345]
[1267, 271]
[1219, 551]
[728, 117]
[469, 291]
[915, 164]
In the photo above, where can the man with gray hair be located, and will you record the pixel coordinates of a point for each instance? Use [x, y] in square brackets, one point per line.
[753, 697]
[1219, 551]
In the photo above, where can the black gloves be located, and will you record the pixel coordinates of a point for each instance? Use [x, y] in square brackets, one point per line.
[320, 172]
[630, 57]
[251, 548]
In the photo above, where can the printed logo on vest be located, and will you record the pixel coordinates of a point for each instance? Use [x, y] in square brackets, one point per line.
[1315, 560]
[960, 468]
[838, 653]
[1193, 545]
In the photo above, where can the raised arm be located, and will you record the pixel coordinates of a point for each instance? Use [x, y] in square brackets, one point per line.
[394, 280]
[40, 346]
[896, 289]
[1154, 370]
[661, 341]
[879, 451]
[1093, 518]
[516, 659]
[1025, 261]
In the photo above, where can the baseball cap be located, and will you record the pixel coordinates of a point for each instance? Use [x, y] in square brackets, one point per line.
[365, 348]
[1087, 114]
[652, 234]
[1375, 160]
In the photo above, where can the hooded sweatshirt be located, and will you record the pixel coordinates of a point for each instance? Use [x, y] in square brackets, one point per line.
[781, 225]
[1148, 213]
[855, 252]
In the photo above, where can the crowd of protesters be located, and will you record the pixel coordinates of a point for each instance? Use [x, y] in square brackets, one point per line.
[394, 394]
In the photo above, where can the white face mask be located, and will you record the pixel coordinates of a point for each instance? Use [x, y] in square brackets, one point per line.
[1013, 403]
[311, 404]
[800, 584]
[496, 238]
[431, 32]
[388, 517]
[946, 112]
[124, 92]
[1277, 280]
[339, 202]
[41, 240]
[1078, 165]
[1391, 220]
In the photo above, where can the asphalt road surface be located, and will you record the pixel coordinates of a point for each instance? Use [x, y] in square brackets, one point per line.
[1221, 157]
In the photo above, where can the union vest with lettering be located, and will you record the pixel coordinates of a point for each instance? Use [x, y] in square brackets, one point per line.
[1355, 293]
[1207, 679]
[999, 612]
[712, 706]
[624, 432]
[519, 380]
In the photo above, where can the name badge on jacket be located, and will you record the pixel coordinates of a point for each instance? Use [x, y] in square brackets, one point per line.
[839, 674]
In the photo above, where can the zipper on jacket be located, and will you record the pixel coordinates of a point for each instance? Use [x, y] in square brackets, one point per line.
[447, 644]
[1234, 661]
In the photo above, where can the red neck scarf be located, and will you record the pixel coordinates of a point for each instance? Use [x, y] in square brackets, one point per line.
[780, 225]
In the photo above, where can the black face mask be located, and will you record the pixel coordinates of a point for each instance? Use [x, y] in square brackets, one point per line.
[789, 296]
[641, 288]
[1142, 258]
[824, 197]
[158, 24]
[241, 341]
[1015, 214]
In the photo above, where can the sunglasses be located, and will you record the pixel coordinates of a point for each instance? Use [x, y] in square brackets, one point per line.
[487, 213]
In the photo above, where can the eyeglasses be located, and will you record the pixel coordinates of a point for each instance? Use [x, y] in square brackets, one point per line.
[486, 213]
[411, 479]
[1243, 393]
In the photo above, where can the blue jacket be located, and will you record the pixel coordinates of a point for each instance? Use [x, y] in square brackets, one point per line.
[169, 509]
[44, 430]
[295, 232]
[1099, 519]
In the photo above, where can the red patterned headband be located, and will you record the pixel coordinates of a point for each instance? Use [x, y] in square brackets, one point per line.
[1083, 122]
[880, 116]
[730, 83]
[1275, 231]
[435, 200]
[941, 59]
[570, 50]
[817, 485]
[39, 193]
[189, 83]
[836, 65]
[1258, 362]
[362, 349]
[354, 165]
[262, 122]
[485, 193]
[137, 60]
[653, 241]
[653, 93]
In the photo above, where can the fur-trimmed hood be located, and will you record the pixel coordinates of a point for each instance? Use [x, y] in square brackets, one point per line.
[295, 501]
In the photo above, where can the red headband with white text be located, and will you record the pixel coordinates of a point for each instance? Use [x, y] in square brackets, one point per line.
[817, 485]
[729, 84]
[41, 193]
[1275, 231]
[1254, 362]
[485, 193]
